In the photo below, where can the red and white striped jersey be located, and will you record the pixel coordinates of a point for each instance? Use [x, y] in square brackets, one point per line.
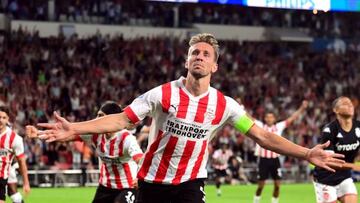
[118, 168]
[182, 127]
[11, 144]
[278, 129]
[222, 159]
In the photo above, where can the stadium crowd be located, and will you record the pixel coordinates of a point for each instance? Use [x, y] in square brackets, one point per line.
[316, 23]
[74, 76]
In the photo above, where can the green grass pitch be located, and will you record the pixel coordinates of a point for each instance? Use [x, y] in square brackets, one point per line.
[289, 193]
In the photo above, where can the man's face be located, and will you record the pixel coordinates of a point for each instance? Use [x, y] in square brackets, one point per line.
[4, 120]
[344, 107]
[270, 119]
[201, 60]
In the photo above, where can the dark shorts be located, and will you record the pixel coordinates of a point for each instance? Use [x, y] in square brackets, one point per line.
[187, 192]
[3, 184]
[269, 167]
[109, 195]
[221, 173]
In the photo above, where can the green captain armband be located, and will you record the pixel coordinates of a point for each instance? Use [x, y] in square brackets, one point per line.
[243, 124]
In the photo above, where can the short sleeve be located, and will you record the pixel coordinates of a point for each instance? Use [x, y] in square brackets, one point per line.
[238, 116]
[132, 147]
[281, 126]
[18, 146]
[144, 105]
[326, 135]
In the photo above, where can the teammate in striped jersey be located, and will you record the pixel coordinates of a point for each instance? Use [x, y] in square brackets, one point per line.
[119, 154]
[186, 113]
[269, 163]
[11, 145]
[221, 159]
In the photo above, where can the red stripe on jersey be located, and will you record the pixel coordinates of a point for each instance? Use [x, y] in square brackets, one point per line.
[117, 176]
[20, 156]
[166, 96]
[12, 137]
[108, 183]
[137, 156]
[165, 159]
[183, 105]
[189, 148]
[121, 145]
[2, 173]
[131, 115]
[94, 138]
[102, 144]
[148, 157]
[2, 140]
[201, 109]
[220, 108]
[112, 146]
[197, 165]
[128, 174]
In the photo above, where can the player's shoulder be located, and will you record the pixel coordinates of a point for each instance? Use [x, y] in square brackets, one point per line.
[357, 123]
[331, 127]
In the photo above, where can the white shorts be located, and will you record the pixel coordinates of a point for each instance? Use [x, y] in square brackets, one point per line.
[12, 173]
[327, 193]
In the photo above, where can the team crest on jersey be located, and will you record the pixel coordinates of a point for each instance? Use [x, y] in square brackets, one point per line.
[357, 132]
[339, 135]
[326, 130]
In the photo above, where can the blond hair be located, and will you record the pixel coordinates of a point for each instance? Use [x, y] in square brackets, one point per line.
[207, 38]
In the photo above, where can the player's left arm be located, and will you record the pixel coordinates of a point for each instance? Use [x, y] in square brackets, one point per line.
[18, 147]
[278, 144]
[297, 113]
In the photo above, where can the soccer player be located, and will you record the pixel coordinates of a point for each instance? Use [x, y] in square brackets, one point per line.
[119, 154]
[269, 163]
[344, 136]
[11, 145]
[221, 158]
[186, 114]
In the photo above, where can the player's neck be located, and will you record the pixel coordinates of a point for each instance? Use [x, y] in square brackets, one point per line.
[197, 86]
[2, 130]
[109, 135]
[345, 123]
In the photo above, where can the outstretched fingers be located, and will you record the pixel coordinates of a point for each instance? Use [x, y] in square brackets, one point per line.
[47, 125]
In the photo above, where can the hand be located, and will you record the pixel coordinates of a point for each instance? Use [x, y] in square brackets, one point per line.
[26, 189]
[135, 183]
[327, 160]
[58, 131]
[31, 131]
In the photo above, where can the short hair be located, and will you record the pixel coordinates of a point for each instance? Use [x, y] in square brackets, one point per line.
[207, 38]
[111, 107]
[5, 109]
[334, 103]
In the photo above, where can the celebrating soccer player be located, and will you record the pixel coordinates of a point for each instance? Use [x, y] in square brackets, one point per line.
[186, 114]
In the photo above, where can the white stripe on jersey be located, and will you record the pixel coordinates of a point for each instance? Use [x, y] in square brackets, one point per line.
[118, 169]
[182, 127]
[278, 129]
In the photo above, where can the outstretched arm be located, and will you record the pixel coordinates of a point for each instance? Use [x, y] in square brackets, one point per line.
[316, 155]
[297, 113]
[63, 130]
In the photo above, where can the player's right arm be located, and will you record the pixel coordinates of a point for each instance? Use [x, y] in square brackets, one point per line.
[138, 110]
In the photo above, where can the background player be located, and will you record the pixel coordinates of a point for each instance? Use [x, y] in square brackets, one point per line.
[220, 162]
[344, 136]
[119, 154]
[11, 145]
[269, 162]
